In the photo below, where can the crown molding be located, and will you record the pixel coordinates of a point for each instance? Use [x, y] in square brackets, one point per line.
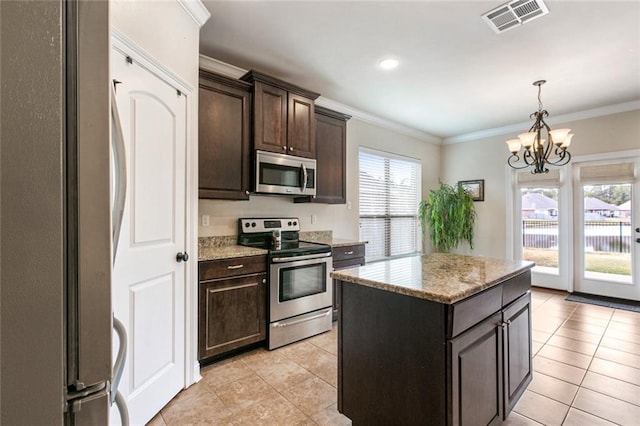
[378, 121]
[196, 10]
[220, 67]
[521, 127]
[232, 71]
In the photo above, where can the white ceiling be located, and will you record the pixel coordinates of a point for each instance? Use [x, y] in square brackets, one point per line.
[456, 76]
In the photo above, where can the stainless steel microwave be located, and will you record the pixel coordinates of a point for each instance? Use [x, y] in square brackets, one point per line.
[285, 174]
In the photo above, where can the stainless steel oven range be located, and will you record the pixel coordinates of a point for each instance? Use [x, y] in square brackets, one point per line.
[300, 290]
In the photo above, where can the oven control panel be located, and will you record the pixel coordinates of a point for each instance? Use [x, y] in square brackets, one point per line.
[251, 225]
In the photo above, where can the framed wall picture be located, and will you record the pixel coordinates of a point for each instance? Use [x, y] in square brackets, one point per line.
[474, 187]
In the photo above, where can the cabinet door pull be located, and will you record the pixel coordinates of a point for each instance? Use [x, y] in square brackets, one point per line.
[235, 266]
[348, 252]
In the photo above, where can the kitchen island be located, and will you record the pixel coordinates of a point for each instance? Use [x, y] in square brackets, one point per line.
[433, 339]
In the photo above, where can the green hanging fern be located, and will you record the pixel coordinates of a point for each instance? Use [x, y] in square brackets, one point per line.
[450, 215]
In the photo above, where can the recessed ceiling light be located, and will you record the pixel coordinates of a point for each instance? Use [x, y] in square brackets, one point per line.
[388, 64]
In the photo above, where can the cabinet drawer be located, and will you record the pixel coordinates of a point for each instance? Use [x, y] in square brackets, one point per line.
[214, 269]
[349, 263]
[516, 287]
[471, 311]
[348, 252]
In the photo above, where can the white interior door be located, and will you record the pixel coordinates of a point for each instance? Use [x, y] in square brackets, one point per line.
[606, 215]
[148, 282]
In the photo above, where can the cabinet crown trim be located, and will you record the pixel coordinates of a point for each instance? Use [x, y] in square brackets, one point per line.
[331, 113]
[254, 75]
[223, 79]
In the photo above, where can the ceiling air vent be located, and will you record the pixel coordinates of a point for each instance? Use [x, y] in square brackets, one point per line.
[514, 13]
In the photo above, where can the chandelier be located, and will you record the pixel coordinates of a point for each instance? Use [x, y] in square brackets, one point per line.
[536, 149]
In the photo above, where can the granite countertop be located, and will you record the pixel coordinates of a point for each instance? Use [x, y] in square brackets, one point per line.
[228, 252]
[226, 247]
[439, 277]
[326, 237]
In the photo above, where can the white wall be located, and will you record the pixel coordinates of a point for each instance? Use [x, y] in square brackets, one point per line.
[486, 159]
[341, 219]
[165, 30]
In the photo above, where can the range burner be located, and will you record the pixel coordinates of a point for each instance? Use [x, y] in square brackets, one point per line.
[261, 233]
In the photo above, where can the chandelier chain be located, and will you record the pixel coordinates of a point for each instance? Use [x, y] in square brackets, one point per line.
[539, 97]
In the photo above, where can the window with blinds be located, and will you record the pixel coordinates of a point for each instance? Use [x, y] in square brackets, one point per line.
[389, 197]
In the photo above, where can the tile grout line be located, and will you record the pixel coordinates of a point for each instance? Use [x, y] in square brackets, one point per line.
[585, 374]
[309, 371]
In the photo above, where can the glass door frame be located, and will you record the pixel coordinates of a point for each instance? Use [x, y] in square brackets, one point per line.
[593, 285]
[540, 277]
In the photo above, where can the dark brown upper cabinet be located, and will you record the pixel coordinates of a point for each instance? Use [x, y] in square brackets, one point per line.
[224, 144]
[331, 155]
[283, 116]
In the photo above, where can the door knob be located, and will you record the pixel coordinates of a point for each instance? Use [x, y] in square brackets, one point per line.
[182, 256]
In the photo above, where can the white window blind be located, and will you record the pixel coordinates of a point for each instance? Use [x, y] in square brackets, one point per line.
[607, 173]
[528, 179]
[389, 197]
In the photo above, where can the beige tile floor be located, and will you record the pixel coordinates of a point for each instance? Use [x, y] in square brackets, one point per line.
[586, 372]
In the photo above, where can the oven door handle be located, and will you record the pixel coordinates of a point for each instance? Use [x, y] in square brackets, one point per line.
[286, 324]
[296, 258]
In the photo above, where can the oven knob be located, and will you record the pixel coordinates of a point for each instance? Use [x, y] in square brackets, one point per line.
[289, 223]
[246, 225]
[295, 223]
[253, 224]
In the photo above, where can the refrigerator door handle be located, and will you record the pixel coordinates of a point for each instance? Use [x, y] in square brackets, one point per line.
[117, 212]
[120, 166]
[115, 395]
[118, 367]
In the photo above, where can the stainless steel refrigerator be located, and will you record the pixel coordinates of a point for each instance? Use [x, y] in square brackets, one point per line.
[57, 207]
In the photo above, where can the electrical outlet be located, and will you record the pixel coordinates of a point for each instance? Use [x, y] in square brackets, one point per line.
[314, 219]
[205, 220]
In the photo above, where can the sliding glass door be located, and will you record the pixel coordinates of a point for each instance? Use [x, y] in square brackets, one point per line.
[606, 215]
[580, 224]
[541, 227]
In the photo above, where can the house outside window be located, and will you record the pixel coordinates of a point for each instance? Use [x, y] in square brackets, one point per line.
[390, 191]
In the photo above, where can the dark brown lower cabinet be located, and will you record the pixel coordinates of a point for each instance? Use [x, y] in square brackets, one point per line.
[518, 369]
[476, 374]
[345, 257]
[232, 310]
[410, 361]
[491, 365]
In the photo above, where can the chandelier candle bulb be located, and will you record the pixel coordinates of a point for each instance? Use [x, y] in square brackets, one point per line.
[538, 150]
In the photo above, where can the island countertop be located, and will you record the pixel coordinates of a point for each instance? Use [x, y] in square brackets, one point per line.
[439, 277]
